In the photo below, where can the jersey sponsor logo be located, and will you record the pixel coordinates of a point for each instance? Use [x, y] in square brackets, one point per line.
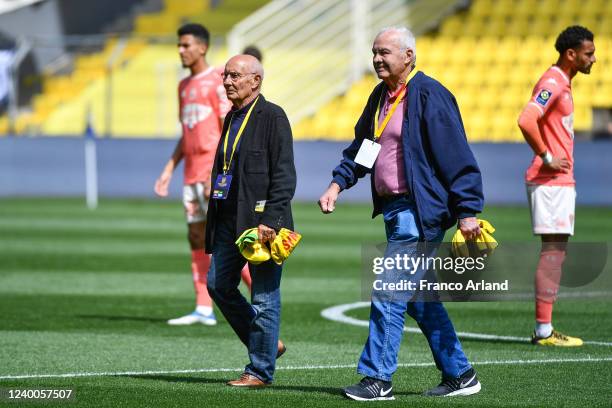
[568, 124]
[193, 113]
[543, 97]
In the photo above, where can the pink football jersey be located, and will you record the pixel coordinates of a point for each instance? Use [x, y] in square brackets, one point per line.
[552, 96]
[202, 104]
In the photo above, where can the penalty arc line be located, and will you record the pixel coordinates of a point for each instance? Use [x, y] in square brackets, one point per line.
[337, 314]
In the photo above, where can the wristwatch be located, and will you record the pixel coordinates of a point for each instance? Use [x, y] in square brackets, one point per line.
[546, 157]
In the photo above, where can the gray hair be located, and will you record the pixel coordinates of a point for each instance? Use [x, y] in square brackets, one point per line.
[405, 37]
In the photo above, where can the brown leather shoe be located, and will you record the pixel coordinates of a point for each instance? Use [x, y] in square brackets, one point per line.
[247, 380]
[281, 349]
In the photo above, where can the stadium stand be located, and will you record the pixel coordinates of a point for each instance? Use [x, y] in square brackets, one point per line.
[140, 76]
[489, 56]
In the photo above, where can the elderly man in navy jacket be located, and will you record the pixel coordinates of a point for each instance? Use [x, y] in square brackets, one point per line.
[424, 178]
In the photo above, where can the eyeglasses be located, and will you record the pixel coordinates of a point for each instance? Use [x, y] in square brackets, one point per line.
[235, 76]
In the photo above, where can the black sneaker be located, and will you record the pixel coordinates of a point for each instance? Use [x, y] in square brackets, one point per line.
[467, 384]
[370, 389]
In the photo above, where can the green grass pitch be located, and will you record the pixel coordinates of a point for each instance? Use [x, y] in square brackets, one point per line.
[87, 294]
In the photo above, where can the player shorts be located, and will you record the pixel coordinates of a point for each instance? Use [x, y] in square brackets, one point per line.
[552, 208]
[195, 202]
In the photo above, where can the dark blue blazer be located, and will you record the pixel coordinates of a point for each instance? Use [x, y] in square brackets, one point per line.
[441, 171]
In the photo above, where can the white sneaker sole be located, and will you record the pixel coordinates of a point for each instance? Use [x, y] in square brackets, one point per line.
[181, 322]
[474, 389]
[356, 398]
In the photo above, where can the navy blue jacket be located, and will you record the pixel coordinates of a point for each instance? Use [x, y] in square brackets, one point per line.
[441, 171]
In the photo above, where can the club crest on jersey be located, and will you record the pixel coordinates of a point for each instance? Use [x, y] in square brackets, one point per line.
[543, 97]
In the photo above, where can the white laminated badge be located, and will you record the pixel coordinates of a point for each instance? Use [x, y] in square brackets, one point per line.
[367, 154]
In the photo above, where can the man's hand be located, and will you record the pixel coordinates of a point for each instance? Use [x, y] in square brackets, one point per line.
[558, 164]
[162, 183]
[327, 202]
[265, 233]
[469, 228]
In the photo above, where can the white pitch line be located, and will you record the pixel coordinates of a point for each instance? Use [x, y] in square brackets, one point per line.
[294, 368]
[337, 314]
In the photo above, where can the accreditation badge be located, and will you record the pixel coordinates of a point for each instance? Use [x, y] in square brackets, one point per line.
[367, 154]
[222, 186]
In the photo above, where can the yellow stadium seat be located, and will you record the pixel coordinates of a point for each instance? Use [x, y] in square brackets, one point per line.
[504, 7]
[583, 117]
[541, 25]
[604, 26]
[562, 21]
[182, 7]
[342, 128]
[452, 26]
[518, 26]
[483, 53]
[479, 126]
[524, 9]
[481, 8]
[547, 8]
[474, 27]
[497, 25]
[595, 4]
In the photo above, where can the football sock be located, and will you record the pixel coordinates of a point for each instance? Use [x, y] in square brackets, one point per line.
[543, 329]
[204, 310]
[543, 312]
[548, 275]
[200, 262]
[547, 280]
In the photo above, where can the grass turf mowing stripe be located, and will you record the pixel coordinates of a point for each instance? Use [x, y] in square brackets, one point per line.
[336, 314]
[297, 368]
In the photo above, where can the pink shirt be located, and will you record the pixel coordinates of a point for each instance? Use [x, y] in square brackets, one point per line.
[202, 104]
[552, 96]
[389, 173]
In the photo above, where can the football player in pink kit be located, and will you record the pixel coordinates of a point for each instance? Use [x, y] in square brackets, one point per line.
[547, 125]
[202, 108]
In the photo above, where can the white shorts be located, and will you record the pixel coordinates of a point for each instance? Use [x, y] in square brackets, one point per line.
[552, 208]
[195, 202]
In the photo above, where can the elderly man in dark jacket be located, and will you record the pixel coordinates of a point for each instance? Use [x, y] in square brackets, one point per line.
[424, 177]
[253, 184]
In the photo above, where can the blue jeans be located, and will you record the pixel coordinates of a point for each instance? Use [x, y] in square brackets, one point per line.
[379, 356]
[256, 324]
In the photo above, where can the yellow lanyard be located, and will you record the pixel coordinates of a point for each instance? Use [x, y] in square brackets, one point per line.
[378, 130]
[227, 164]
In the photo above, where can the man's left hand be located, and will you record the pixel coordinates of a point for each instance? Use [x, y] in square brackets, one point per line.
[469, 227]
[265, 233]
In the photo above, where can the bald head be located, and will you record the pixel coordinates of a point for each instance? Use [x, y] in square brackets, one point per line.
[242, 79]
